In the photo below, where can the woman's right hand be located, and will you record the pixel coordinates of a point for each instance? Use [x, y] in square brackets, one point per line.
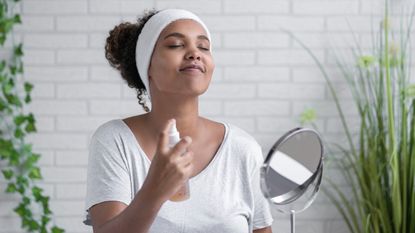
[170, 167]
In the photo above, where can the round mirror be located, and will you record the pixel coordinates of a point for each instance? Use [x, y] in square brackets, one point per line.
[292, 171]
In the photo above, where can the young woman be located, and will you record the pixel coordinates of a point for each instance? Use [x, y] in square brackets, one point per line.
[132, 172]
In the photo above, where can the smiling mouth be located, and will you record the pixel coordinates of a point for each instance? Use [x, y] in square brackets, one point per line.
[192, 68]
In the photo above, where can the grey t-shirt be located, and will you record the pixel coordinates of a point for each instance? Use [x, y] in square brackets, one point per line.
[224, 197]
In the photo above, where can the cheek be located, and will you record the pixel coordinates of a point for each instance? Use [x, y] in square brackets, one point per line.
[211, 65]
[161, 70]
[159, 66]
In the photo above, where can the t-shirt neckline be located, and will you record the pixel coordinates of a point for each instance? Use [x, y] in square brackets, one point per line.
[208, 167]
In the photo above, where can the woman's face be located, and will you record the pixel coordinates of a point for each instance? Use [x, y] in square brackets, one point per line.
[181, 62]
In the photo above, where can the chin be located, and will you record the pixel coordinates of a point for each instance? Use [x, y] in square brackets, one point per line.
[197, 91]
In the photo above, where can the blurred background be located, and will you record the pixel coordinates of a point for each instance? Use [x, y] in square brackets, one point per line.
[262, 83]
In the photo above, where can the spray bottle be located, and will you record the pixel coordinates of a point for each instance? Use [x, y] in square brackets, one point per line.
[184, 192]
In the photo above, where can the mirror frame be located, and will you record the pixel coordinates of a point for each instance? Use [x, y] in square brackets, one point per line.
[297, 192]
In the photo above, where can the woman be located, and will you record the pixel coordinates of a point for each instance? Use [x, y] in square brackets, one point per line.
[132, 172]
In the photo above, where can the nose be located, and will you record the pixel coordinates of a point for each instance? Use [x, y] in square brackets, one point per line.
[193, 54]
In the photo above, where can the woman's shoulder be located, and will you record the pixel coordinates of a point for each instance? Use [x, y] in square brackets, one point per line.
[108, 127]
[241, 136]
[109, 131]
[237, 137]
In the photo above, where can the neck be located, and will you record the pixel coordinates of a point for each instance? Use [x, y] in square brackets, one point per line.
[185, 111]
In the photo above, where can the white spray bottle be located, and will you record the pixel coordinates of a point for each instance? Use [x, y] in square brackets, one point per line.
[184, 191]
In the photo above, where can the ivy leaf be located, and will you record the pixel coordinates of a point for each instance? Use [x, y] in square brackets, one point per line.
[2, 105]
[37, 193]
[13, 99]
[8, 25]
[45, 205]
[2, 39]
[26, 201]
[18, 133]
[21, 189]
[11, 81]
[17, 19]
[27, 99]
[35, 157]
[14, 161]
[30, 128]
[19, 119]
[27, 148]
[56, 229]
[46, 210]
[6, 143]
[13, 70]
[4, 150]
[22, 183]
[18, 50]
[35, 173]
[8, 174]
[2, 65]
[21, 210]
[8, 87]
[32, 159]
[28, 87]
[45, 220]
[25, 221]
[33, 225]
[31, 118]
[11, 188]
[13, 158]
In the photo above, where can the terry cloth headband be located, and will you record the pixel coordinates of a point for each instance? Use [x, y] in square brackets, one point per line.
[150, 33]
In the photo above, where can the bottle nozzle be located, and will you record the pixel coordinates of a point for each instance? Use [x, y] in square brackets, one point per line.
[174, 135]
[173, 129]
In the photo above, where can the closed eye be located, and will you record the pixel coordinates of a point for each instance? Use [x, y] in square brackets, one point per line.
[175, 46]
[203, 48]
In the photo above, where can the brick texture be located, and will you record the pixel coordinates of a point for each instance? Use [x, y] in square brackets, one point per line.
[263, 81]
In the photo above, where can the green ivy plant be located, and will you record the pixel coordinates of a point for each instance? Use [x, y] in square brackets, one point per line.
[18, 161]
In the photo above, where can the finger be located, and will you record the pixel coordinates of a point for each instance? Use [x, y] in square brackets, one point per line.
[163, 141]
[186, 158]
[188, 169]
[181, 146]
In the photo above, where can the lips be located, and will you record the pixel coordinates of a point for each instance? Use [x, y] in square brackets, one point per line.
[191, 67]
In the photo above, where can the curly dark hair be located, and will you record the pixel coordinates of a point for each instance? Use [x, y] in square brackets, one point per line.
[120, 52]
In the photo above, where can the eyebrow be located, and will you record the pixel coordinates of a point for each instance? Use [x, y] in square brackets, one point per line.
[180, 35]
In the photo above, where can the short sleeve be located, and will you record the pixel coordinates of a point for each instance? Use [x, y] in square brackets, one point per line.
[107, 177]
[262, 213]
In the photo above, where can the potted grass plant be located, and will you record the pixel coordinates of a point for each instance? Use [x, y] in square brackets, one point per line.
[378, 163]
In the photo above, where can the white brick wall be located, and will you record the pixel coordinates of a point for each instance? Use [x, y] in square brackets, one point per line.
[263, 81]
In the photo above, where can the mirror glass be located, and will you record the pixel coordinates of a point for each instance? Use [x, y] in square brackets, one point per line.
[292, 171]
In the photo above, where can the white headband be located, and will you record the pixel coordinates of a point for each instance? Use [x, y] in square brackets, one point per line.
[149, 36]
